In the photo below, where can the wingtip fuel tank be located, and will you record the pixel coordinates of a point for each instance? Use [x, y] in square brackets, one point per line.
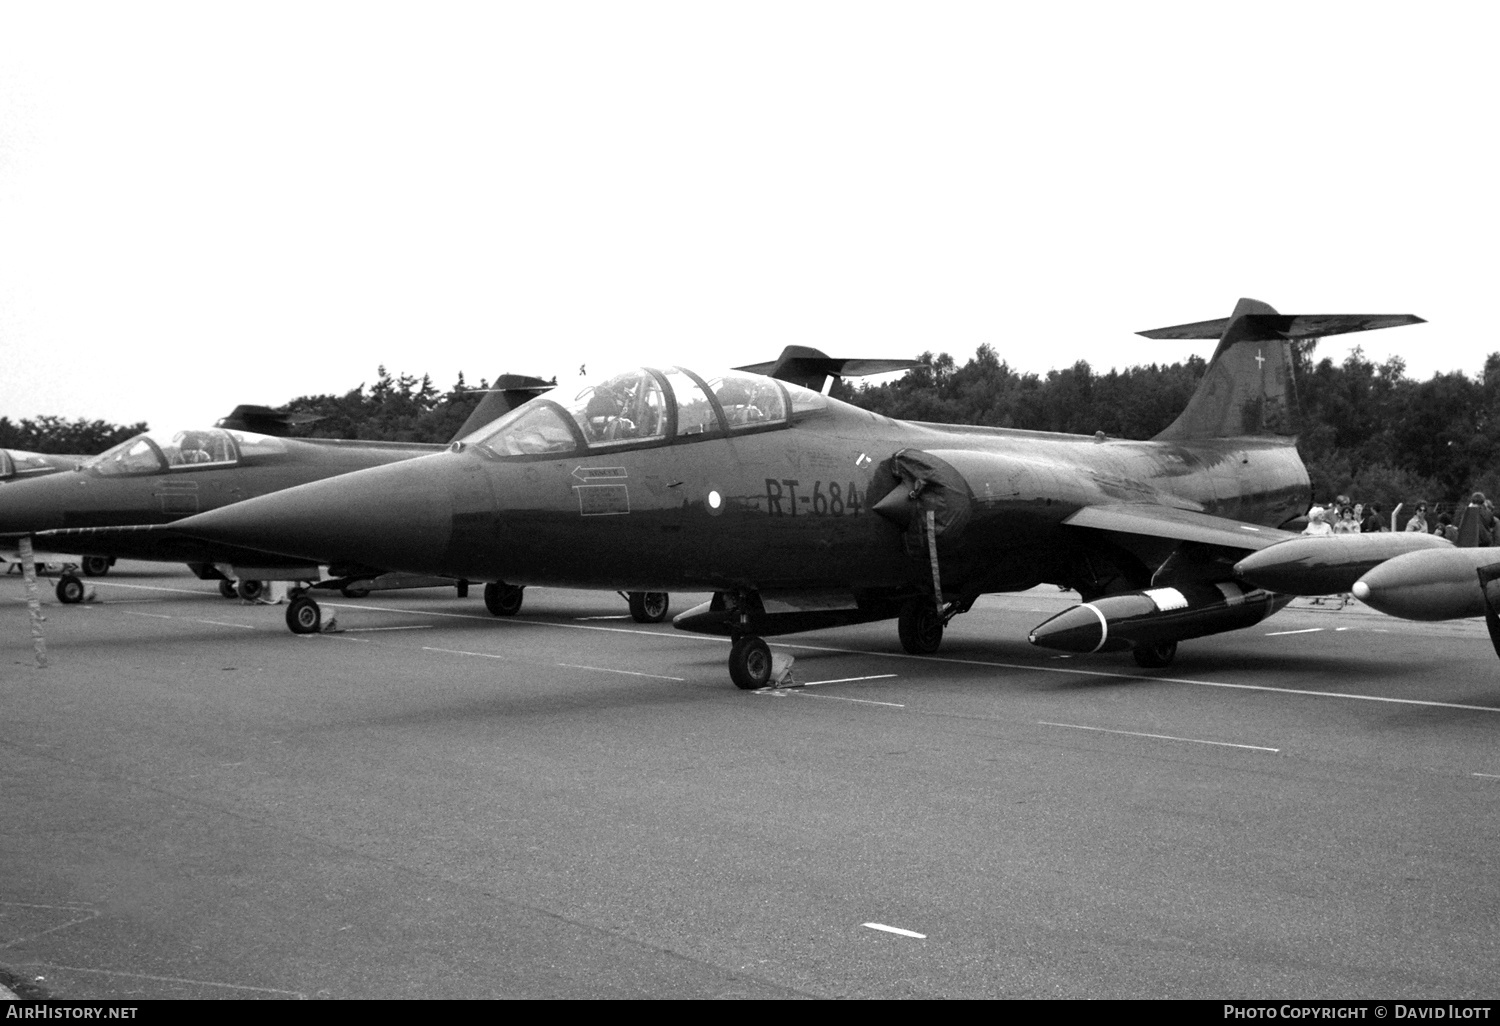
[1328, 564]
[1435, 584]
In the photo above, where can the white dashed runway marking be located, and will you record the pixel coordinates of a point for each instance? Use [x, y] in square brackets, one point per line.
[1159, 737]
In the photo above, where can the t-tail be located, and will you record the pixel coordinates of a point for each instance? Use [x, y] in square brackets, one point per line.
[1248, 388]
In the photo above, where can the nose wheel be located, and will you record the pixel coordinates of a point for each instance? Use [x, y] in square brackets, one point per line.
[303, 615]
[69, 590]
[749, 663]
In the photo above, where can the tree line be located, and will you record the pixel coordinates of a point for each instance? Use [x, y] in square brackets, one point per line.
[1368, 430]
[55, 435]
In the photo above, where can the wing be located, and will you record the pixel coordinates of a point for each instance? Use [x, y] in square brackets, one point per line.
[1168, 522]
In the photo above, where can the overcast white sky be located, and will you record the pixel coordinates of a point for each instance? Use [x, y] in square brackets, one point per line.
[203, 204]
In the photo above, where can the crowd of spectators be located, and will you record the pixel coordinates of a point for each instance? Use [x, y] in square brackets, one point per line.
[1474, 526]
[1466, 525]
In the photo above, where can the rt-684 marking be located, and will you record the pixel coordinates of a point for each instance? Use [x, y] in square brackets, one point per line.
[827, 499]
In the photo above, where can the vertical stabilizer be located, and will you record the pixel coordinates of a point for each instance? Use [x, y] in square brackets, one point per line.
[1248, 388]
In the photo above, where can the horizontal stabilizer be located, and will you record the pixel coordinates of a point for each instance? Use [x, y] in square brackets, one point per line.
[262, 420]
[1275, 327]
[812, 368]
[1157, 521]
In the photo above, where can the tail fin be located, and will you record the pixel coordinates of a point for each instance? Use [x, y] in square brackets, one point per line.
[262, 420]
[814, 369]
[1248, 388]
[510, 391]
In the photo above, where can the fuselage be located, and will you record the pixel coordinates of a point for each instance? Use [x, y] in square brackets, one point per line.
[786, 505]
[147, 480]
[794, 507]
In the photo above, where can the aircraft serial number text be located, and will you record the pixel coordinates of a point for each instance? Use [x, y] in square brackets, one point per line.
[824, 499]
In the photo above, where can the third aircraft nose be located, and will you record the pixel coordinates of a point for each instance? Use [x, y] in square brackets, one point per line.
[395, 517]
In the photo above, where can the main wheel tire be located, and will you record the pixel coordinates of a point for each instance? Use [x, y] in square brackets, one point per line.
[95, 566]
[250, 590]
[226, 588]
[919, 627]
[750, 663]
[69, 590]
[303, 616]
[649, 606]
[354, 592]
[503, 599]
[1154, 657]
[463, 589]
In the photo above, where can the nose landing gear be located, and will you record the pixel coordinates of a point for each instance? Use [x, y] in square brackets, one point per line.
[69, 590]
[303, 614]
[749, 663]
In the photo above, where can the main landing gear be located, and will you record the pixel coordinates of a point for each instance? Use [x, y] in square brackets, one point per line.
[247, 590]
[920, 626]
[503, 599]
[1154, 657]
[649, 606]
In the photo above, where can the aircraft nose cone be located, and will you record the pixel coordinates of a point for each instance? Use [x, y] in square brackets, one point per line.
[395, 517]
[29, 506]
[1079, 629]
[1361, 590]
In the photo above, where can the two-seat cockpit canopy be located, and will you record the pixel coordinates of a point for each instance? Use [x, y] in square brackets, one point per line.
[160, 452]
[644, 406]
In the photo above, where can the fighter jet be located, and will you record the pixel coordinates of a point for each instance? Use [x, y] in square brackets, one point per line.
[162, 476]
[800, 512]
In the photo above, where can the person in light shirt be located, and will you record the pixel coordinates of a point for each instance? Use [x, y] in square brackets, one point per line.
[1418, 521]
[1317, 524]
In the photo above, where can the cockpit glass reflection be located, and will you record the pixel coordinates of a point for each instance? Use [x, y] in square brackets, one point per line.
[619, 409]
[532, 430]
[137, 455]
[196, 448]
[695, 413]
[748, 400]
[642, 406]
